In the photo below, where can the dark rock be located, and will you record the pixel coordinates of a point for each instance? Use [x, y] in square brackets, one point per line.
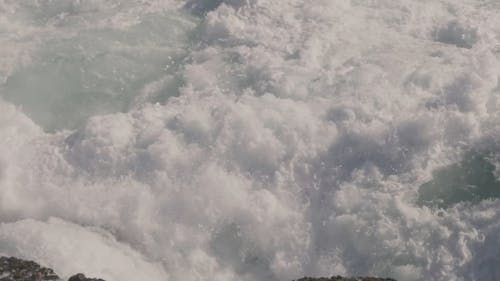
[340, 278]
[13, 269]
[81, 277]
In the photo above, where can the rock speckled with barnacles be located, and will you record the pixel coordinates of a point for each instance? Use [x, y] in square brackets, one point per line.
[14, 269]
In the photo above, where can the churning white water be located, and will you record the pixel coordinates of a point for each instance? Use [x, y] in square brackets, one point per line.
[251, 139]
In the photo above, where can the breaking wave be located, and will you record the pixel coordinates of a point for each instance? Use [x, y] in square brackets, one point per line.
[251, 140]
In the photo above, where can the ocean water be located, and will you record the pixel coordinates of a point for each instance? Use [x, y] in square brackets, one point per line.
[251, 139]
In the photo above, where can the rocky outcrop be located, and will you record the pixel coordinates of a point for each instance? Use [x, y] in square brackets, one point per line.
[14, 269]
[81, 277]
[340, 278]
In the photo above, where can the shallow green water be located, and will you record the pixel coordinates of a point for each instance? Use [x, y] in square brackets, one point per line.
[470, 180]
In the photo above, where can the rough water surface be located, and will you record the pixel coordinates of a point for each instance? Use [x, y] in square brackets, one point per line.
[251, 139]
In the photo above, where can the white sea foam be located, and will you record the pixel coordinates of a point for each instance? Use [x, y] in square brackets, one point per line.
[250, 140]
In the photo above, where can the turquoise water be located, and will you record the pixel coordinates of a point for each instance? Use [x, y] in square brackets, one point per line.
[470, 181]
[79, 69]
